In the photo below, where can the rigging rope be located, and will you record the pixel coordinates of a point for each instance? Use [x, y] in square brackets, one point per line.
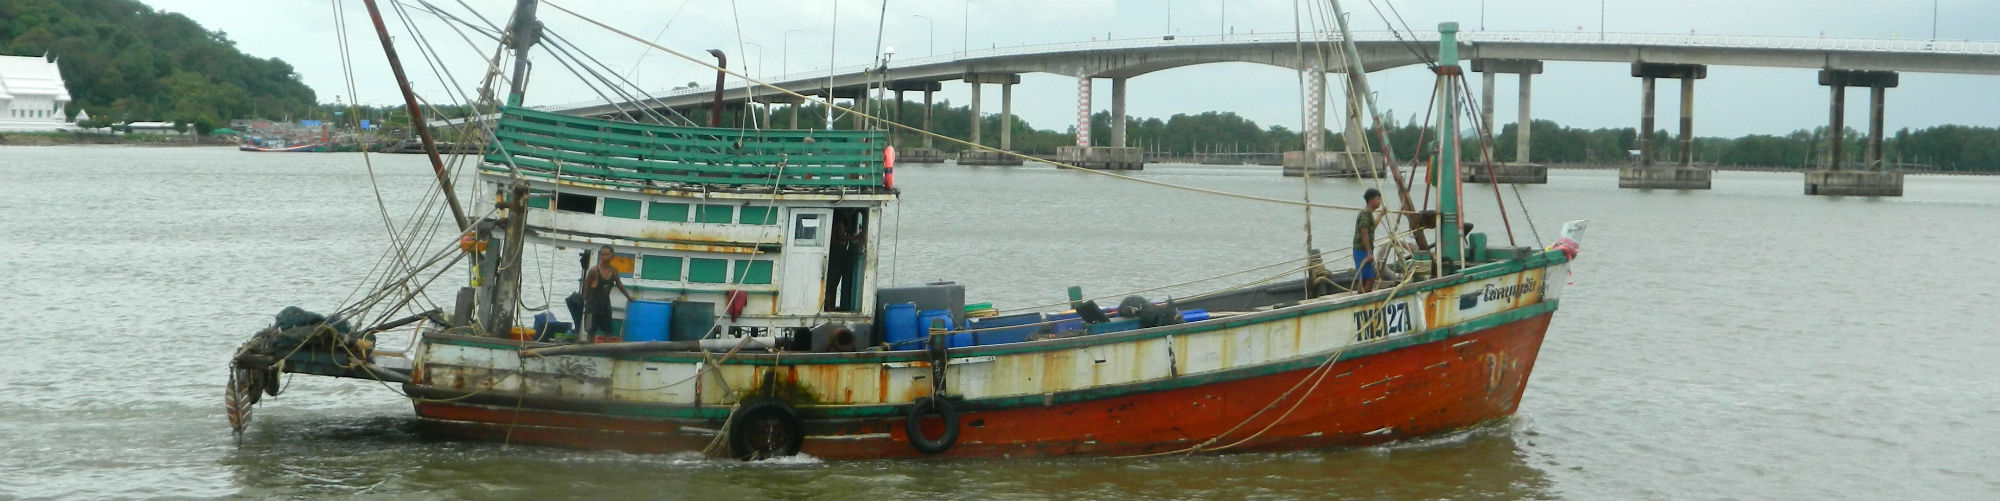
[832, 106]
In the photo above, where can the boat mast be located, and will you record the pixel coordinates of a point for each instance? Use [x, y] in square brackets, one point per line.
[832, 43]
[525, 32]
[1357, 78]
[506, 287]
[1448, 75]
[417, 118]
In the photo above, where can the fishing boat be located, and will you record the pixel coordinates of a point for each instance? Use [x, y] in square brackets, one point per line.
[290, 148]
[763, 328]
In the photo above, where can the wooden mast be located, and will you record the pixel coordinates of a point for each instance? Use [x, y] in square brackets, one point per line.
[1357, 77]
[505, 292]
[417, 118]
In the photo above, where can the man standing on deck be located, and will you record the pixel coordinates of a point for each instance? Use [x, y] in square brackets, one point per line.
[1364, 241]
[597, 285]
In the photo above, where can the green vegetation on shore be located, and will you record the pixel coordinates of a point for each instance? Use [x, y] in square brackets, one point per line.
[124, 61]
[1944, 148]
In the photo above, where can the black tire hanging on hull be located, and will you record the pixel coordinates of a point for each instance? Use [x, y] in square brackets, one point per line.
[914, 426]
[766, 429]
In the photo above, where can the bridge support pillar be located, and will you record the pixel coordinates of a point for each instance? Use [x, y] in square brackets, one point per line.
[1113, 157]
[1007, 116]
[771, 103]
[1645, 123]
[924, 154]
[1486, 102]
[1872, 179]
[1315, 126]
[976, 116]
[1521, 171]
[1314, 160]
[899, 106]
[1355, 136]
[1118, 112]
[1683, 176]
[1526, 122]
[980, 157]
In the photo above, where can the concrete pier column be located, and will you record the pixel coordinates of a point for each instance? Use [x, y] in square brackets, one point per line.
[1523, 128]
[1118, 112]
[1486, 103]
[1083, 111]
[1684, 175]
[975, 113]
[1112, 157]
[899, 106]
[1837, 128]
[1314, 160]
[795, 114]
[1355, 133]
[977, 157]
[1875, 105]
[1645, 123]
[1520, 171]
[1871, 179]
[1007, 116]
[927, 118]
[1687, 121]
[906, 149]
[861, 104]
[1315, 125]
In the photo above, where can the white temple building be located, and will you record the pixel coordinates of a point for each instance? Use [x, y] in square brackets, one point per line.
[32, 95]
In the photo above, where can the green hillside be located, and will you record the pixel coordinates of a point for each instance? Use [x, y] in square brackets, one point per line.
[125, 61]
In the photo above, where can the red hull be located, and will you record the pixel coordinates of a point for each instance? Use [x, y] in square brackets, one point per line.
[1451, 384]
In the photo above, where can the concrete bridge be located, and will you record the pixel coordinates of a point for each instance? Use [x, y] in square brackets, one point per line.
[1870, 63]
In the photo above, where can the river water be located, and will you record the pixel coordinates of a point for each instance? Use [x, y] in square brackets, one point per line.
[1746, 342]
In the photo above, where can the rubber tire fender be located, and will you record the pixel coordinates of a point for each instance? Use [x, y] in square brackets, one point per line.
[788, 419]
[924, 406]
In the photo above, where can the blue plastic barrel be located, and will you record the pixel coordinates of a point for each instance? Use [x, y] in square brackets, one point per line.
[930, 319]
[899, 323]
[1195, 315]
[927, 318]
[647, 320]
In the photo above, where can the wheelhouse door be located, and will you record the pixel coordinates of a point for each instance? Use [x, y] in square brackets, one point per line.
[803, 287]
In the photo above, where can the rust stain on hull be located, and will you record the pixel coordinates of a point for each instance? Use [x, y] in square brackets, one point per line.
[1413, 391]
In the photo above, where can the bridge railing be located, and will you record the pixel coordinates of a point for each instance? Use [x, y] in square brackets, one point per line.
[1895, 45]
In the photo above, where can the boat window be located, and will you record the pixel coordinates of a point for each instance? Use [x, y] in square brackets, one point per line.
[621, 208]
[708, 271]
[755, 271]
[806, 231]
[660, 268]
[720, 214]
[571, 202]
[758, 215]
[659, 211]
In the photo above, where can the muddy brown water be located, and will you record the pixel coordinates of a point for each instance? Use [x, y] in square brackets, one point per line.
[1746, 342]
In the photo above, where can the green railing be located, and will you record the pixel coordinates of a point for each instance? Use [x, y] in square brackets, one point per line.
[543, 143]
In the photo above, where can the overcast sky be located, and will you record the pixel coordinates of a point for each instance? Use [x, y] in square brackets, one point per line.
[1732, 101]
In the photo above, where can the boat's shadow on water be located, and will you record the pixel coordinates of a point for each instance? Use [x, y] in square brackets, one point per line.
[389, 456]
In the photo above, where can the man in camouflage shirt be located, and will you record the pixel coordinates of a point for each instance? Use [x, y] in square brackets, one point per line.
[1364, 241]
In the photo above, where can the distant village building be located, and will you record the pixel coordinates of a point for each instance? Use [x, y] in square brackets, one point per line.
[32, 95]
